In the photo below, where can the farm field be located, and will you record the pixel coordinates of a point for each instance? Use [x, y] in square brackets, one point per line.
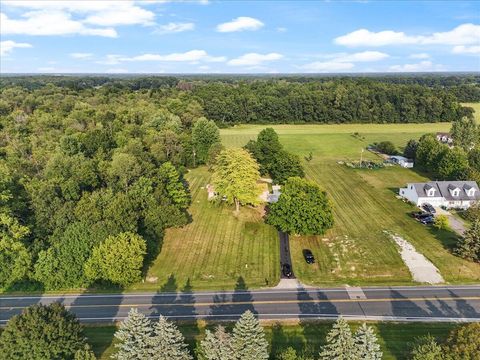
[394, 338]
[357, 250]
[217, 250]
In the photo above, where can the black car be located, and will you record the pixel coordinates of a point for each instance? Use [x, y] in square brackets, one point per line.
[429, 208]
[427, 220]
[309, 258]
[287, 270]
[420, 214]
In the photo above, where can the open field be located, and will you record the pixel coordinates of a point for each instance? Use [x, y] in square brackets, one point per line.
[357, 250]
[394, 337]
[476, 107]
[217, 250]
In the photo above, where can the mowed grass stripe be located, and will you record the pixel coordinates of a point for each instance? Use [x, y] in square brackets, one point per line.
[365, 206]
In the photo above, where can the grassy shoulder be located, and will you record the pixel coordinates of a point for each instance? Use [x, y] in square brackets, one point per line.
[357, 250]
[394, 338]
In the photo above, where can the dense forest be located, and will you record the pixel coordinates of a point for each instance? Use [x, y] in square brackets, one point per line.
[93, 166]
[287, 99]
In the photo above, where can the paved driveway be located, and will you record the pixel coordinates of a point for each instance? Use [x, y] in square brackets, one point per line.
[455, 223]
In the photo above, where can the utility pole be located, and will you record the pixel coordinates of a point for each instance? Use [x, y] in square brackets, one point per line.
[361, 158]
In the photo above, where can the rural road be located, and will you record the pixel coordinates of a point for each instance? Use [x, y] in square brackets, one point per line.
[422, 303]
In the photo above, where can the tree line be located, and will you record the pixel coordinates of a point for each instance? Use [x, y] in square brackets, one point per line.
[43, 332]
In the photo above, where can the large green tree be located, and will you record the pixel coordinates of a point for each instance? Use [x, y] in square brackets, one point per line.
[468, 246]
[427, 348]
[168, 342]
[366, 344]
[205, 134]
[42, 332]
[235, 176]
[249, 339]
[452, 164]
[119, 259]
[134, 337]
[302, 208]
[465, 132]
[217, 345]
[62, 265]
[464, 342]
[14, 256]
[340, 343]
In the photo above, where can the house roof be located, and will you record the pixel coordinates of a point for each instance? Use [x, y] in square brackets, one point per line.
[442, 189]
[400, 158]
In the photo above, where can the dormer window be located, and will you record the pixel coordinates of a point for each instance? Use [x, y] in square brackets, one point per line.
[454, 190]
[469, 190]
[429, 190]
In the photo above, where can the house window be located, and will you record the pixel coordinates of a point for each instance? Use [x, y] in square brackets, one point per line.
[471, 192]
[431, 192]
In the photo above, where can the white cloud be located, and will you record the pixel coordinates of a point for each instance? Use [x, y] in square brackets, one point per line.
[419, 56]
[421, 66]
[365, 56]
[7, 46]
[192, 56]
[462, 49]
[174, 28]
[464, 34]
[241, 23]
[80, 55]
[87, 17]
[342, 62]
[49, 23]
[253, 59]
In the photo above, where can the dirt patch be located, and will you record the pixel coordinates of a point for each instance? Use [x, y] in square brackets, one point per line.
[420, 267]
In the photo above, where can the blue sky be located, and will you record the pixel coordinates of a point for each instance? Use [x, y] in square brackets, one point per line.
[239, 36]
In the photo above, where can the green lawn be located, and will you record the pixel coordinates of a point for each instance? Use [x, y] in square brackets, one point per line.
[476, 107]
[395, 338]
[356, 250]
[217, 250]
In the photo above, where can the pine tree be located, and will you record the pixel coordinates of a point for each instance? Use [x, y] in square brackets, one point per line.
[85, 354]
[168, 342]
[249, 338]
[340, 344]
[134, 335]
[366, 344]
[217, 345]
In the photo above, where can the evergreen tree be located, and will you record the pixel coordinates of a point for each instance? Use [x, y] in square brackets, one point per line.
[340, 343]
[85, 354]
[426, 348]
[217, 345]
[468, 245]
[366, 344]
[249, 338]
[134, 336]
[168, 342]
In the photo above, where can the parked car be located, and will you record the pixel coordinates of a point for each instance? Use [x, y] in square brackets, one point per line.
[287, 270]
[429, 208]
[420, 214]
[427, 220]
[309, 258]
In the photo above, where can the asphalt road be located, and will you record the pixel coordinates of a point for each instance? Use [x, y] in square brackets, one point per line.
[435, 303]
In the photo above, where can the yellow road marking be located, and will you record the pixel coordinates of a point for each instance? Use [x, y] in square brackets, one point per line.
[265, 302]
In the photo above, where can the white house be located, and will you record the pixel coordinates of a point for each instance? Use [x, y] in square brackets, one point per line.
[445, 138]
[402, 161]
[450, 194]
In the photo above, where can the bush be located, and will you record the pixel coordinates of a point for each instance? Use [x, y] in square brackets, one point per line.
[386, 147]
[441, 222]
